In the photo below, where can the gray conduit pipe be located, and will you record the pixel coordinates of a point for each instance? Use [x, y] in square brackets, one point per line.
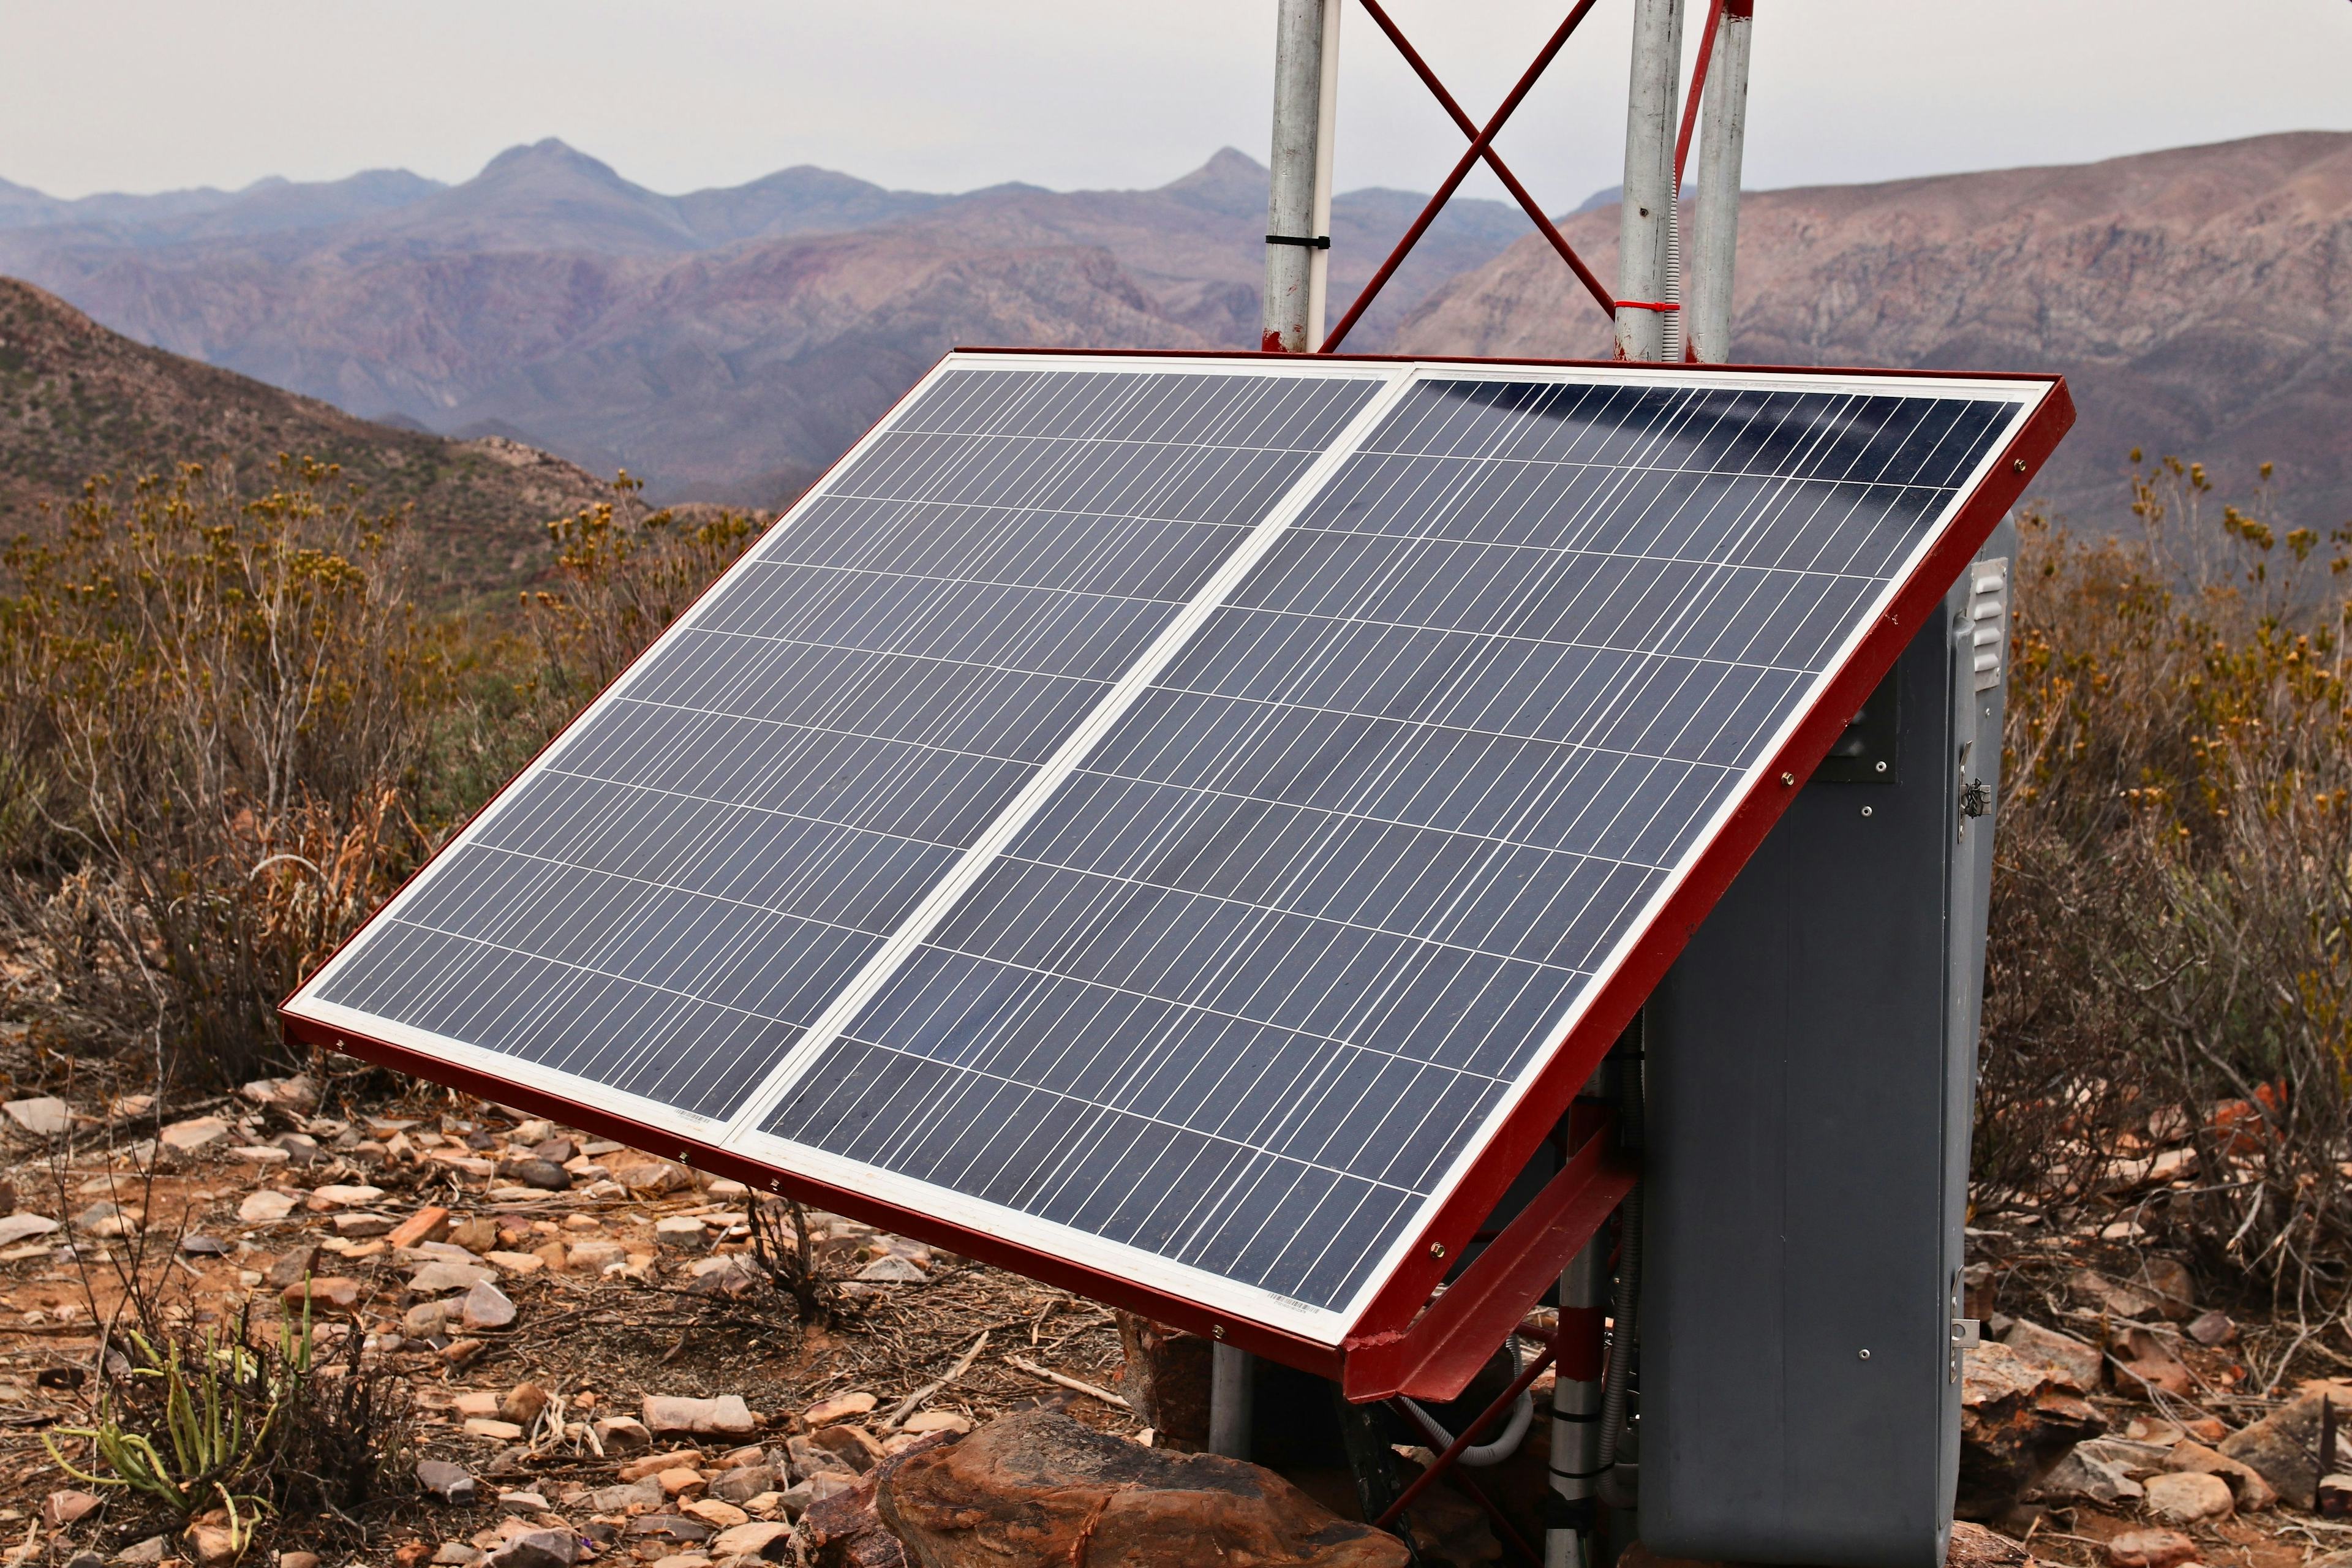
[1622, 1312]
[1506, 1442]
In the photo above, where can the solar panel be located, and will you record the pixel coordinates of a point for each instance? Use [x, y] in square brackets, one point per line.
[1185, 870]
[662, 903]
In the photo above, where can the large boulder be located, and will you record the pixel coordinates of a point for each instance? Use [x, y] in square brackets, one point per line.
[1037, 1489]
[2283, 1446]
[2018, 1419]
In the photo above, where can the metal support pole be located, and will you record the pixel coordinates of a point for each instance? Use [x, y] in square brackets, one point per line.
[1647, 287]
[1298, 194]
[1575, 1407]
[1717, 219]
[1231, 1401]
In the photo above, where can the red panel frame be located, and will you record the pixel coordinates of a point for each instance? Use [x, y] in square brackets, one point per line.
[1368, 1357]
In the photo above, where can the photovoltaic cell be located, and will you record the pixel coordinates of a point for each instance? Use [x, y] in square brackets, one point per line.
[1246, 988]
[663, 903]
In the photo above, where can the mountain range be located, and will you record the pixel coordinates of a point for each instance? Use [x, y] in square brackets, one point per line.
[724, 344]
[727, 344]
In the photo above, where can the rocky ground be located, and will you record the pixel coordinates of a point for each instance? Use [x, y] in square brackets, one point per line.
[576, 1351]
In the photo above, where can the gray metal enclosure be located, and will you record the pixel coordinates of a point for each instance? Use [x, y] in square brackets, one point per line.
[1812, 1067]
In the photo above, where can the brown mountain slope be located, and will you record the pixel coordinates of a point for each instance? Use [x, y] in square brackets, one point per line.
[76, 399]
[2197, 299]
[723, 343]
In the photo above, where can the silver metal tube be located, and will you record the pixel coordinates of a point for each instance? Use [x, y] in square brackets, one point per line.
[1299, 192]
[1230, 1401]
[1645, 231]
[1722, 143]
[1576, 1411]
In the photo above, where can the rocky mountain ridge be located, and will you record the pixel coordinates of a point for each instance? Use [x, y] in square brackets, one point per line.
[728, 342]
[2194, 299]
[78, 400]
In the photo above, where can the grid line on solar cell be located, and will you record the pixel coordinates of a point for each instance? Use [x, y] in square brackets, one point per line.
[1156, 927]
[860, 663]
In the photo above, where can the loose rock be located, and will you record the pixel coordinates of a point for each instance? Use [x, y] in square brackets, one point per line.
[2247, 1488]
[2188, 1498]
[654, 1464]
[2080, 1476]
[485, 1307]
[769, 1541]
[742, 1484]
[640, 1494]
[725, 1416]
[2072, 1362]
[43, 1116]
[544, 1175]
[193, 1136]
[2212, 1329]
[63, 1508]
[1037, 1484]
[450, 1483]
[2281, 1445]
[19, 1227]
[812, 1459]
[2016, 1422]
[214, 1545]
[264, 1208]
[332, 1291]
[535, 1549]
[523, 1403]
[439, 1276]
[2150, 1549]
[622, 1434]
[427, 1224]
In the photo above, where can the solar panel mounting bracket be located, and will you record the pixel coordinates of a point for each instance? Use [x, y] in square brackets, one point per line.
[1434, 1356]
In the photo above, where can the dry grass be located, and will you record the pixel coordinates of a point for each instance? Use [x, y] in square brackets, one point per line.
[2171, 951]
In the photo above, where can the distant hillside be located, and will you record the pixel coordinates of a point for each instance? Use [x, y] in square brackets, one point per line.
[726, 343]
[76, 399]
[2195, 298]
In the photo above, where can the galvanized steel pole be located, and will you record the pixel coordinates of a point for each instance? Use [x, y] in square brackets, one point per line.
[1716, 216]
[1298, 196]
[1646, 240]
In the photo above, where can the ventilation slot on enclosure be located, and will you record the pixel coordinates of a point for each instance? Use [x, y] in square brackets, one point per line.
[1988, 615]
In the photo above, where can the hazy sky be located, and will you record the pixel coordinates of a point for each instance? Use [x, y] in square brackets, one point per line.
[145, 95]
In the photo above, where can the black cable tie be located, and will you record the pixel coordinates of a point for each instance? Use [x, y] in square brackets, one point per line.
[1319, 242]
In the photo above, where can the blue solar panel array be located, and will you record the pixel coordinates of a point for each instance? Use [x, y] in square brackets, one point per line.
[665, 904]
[1242, 991]
[1270, 950]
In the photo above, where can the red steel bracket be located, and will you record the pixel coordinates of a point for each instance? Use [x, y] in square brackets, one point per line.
[1436, 1356]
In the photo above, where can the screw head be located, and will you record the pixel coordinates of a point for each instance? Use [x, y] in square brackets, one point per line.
[1217, 1332]
[1866, 811]
[1866, 1355]
[1788, 780]
[1882, 767]
[2019, 464]
[1437, 1249]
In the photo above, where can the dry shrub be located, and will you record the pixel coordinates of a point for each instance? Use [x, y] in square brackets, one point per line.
[2171, 948]
[623, 573]
[215, 701]
[228, 735]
